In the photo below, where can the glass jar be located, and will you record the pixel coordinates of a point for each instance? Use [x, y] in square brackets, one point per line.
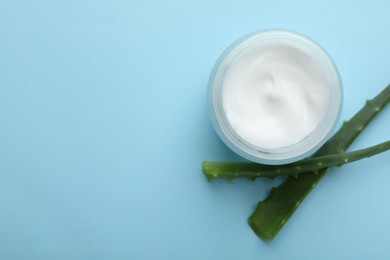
[285, 153]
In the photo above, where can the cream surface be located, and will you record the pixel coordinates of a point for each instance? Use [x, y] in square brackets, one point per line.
[274, 95]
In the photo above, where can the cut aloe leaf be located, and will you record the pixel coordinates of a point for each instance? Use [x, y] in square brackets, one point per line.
[249, 170]
[272, 213]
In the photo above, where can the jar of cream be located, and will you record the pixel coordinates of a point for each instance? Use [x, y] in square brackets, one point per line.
[274, 97]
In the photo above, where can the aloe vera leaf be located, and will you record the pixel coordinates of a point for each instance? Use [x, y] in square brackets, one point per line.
[231, 170]
[272, 213]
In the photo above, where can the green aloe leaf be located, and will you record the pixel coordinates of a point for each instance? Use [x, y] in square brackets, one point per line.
[272, 213]
[249, 170]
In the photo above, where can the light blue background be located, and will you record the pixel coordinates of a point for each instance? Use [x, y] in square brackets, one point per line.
[103, 128]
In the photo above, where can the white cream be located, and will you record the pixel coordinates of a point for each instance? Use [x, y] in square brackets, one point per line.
[274, 95]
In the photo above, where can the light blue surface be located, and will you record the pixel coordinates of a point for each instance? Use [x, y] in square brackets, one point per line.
[103, 127]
